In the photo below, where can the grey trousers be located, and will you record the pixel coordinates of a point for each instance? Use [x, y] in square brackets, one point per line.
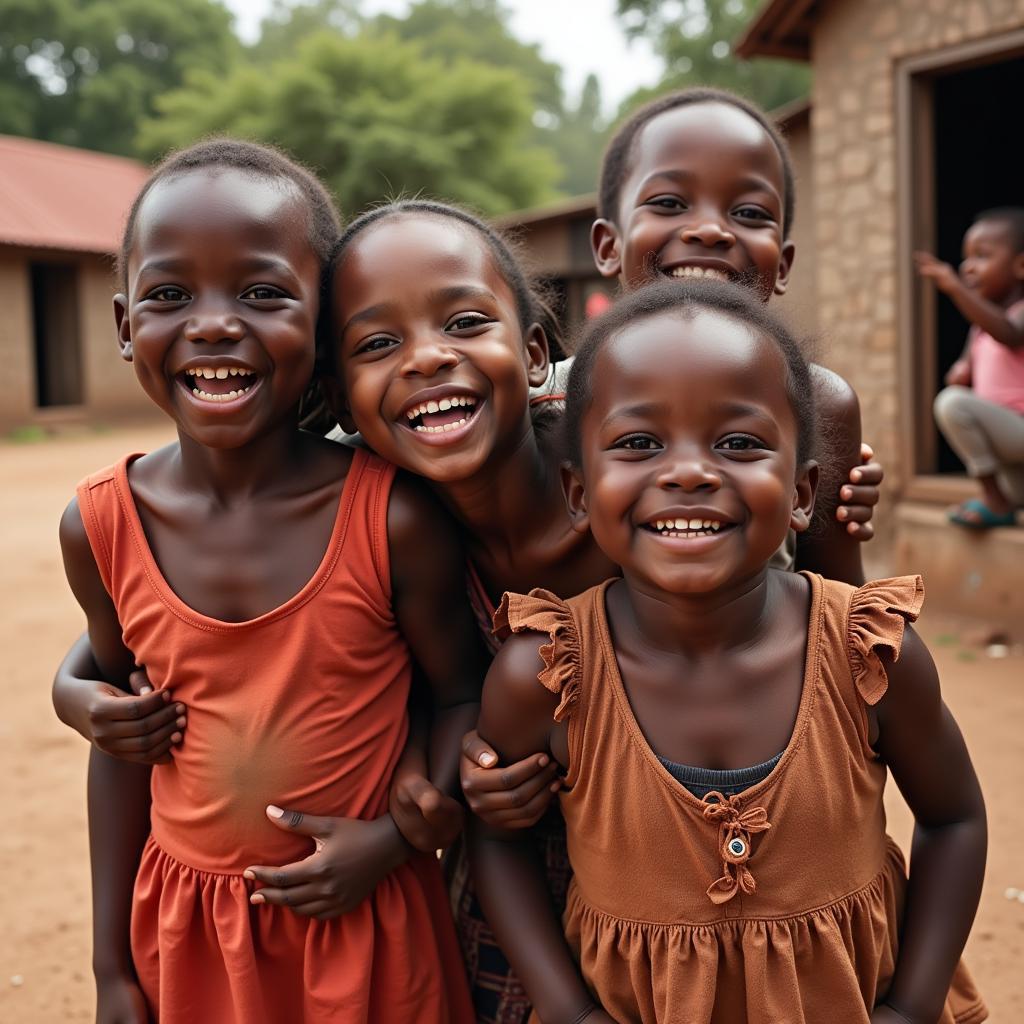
[989, 438]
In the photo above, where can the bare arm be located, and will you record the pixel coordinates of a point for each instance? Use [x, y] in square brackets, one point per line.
[429, 596]
[517, 719]
[829, 547]
[921, 743]
[118, 792]
[992, 318]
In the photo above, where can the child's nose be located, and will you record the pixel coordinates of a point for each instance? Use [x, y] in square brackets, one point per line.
[426, 355]
[708, 232]
[213, 323]
[689, 473]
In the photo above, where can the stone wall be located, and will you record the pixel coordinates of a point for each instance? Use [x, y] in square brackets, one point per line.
[855, 49]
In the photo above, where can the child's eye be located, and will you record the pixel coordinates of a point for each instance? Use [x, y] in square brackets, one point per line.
[741, 443]
[467, 321]
[376, 344]
[263, 293]
[168, 293]
[672, 203]
[752, 213]
[638, 443]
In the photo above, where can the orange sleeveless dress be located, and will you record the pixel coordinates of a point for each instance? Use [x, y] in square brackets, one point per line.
[303, 707]
[780, 905]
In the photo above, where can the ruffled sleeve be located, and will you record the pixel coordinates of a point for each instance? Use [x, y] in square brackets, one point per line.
[543, 612]
[879, 613]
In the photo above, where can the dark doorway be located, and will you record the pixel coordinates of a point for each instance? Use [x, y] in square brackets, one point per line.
[979, 164]
[58, 347]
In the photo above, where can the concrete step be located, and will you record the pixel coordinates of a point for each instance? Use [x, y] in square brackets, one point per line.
[972, 572]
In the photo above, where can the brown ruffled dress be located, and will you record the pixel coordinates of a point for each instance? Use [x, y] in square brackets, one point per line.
[780, 905]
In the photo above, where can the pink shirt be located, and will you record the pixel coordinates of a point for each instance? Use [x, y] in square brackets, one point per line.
[997, 372]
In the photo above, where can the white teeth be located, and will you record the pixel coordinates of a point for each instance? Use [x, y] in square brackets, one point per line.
[687, 527]
[207, 397]
[219, 372]
[696, 524]
[444, 429]
[442, 406]
[712, 272]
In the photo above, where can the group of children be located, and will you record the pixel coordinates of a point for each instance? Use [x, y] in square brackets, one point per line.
[675, 765]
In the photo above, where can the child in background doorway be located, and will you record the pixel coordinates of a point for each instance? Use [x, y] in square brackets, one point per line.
[981, 412]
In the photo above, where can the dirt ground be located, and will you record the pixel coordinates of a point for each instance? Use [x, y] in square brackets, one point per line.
[44, 890]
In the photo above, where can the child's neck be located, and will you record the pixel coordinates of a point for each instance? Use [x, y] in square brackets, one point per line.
[731, 617]
[511, 498]
[232, 476]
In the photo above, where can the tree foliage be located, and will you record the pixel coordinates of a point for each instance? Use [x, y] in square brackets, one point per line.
[84, 74]
[695, 39]
[376, 117]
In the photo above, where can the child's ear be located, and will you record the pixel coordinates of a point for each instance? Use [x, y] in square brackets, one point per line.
[337, 402]
[538, 355]
[575, 497]
[803, 497]
[1018, 266]
[606, 247]
[124, 331]
[785, 267]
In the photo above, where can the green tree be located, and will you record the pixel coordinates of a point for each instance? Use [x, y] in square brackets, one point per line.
[695, 39]
[84, 74]
[375, 116]
[579, 139]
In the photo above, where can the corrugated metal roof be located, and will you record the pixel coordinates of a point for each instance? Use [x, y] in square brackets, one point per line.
[57, 197]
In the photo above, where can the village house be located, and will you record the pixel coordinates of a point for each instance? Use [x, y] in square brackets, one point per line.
[62, 211]
[911, 128]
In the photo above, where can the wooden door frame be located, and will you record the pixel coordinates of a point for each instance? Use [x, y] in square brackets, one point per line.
[915, 203]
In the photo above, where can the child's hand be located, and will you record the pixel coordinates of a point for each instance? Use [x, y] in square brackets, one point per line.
[859, 497]
[350, 858]
[119, 1000]
[428, 819]
[945, 277]
[143, 726]
[512, 797]
[959, 373]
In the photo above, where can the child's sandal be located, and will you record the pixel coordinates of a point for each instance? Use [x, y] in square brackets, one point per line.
[976, 515]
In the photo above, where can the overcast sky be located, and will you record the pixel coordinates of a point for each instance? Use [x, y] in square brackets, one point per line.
[581, 35]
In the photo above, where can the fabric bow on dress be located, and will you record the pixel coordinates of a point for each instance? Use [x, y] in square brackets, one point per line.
[735, 827]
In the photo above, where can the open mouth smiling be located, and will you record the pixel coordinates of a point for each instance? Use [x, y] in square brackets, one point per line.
[441, 415]
[689, 528]
[690, 270]
[218, 382]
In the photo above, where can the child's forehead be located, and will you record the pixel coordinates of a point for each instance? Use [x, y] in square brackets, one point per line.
[224, 208]
[421, 249]
[989, 230]
[708, 132]
[683, 353]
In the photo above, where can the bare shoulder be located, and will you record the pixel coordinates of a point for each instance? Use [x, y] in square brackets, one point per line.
[836, 400]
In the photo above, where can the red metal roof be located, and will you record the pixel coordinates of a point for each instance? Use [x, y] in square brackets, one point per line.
[56, 197]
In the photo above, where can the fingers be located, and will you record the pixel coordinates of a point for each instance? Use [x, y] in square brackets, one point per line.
[294, 896]
[858, 496]
[139, 682]
[116, 705]
[476, 781]
[477, 751]
[172, 717]
[871, 474]
[296, 821]
[523, 815]
[144, 739]
[860, 531]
